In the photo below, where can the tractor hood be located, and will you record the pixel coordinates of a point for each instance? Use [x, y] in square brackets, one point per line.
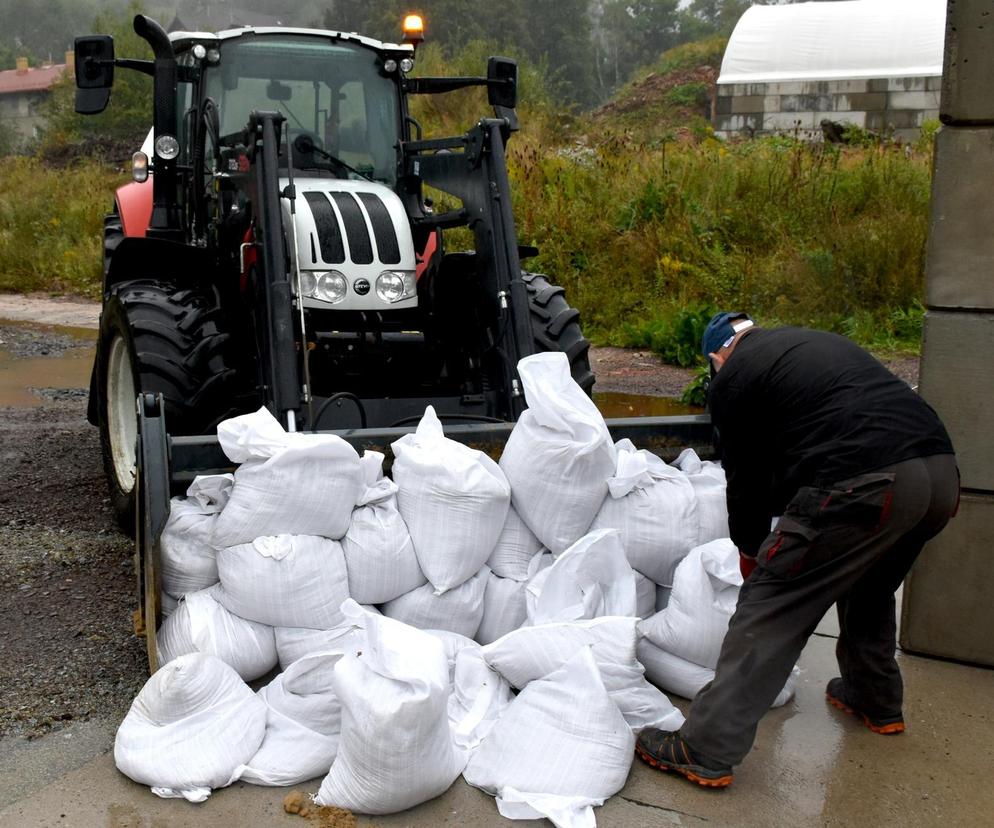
[353, 239]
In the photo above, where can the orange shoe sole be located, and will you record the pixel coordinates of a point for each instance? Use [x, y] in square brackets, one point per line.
[885, 730]
[686, 773]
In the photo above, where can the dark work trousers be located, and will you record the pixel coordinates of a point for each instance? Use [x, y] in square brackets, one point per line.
[851, 545]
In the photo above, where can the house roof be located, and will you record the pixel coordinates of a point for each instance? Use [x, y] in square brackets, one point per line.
[36, 79]
[835, 41]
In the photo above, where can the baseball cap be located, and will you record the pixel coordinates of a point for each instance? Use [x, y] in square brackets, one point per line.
[721, 330]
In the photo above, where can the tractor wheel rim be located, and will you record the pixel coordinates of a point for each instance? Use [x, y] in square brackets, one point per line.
[122, 414]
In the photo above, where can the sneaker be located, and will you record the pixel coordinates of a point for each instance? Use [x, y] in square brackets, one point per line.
[835, 693]
[667, 751]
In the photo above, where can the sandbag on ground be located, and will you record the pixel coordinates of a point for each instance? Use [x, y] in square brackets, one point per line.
[590, 579]
[516, 548]
[559, 749]
[559, 455]
[303, 723]
[645, 596]
[684, 678]
[459, 610]
[530, 653]
[379, 552]
[188, 561]
[288, 483]
[396, 749]
[200, 624]
[504, 608]
[293, 643]
[705, 591]
[191, 726]
[708, 480]
[479, 696]
[654, 508]
[454, 500]
[285, 581]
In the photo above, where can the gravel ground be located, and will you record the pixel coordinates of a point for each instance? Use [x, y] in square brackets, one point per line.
[67, 650]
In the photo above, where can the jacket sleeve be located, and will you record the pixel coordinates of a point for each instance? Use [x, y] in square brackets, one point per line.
[748, 474]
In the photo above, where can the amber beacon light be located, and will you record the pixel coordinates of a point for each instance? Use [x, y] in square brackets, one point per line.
[414, 29]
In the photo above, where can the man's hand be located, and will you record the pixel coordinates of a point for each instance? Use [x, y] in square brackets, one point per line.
[746, 565]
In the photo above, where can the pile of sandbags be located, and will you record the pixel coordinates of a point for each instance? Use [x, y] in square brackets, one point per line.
[404, 612]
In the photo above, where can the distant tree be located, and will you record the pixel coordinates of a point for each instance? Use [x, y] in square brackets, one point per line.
[634, 33]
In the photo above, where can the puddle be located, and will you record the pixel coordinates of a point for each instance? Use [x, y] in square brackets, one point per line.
[612, 404]
[66, 368]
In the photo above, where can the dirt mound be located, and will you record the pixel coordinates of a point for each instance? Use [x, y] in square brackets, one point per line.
[297, 802]
[683, 92]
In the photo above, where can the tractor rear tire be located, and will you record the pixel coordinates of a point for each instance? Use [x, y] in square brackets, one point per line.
[156, 337]
[556, 327]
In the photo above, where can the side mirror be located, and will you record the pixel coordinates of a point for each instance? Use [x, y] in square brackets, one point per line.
[503, 93]
[94, 73]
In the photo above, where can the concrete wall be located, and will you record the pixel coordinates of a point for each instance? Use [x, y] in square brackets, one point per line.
[892, 106]
[947, 606]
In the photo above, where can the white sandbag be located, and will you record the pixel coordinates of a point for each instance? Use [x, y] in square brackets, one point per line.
[590, 579]
[708, 480]
[167, 604]
[530, 653]
[189, 728]
[454, 500]
[295, 643]
[303, 723]
[453, 643]
[645, 596]
[379, 552]
[396, 749]
[516, 548]
[201, 624]
[479, 697]
[680, 677]
[653, 506]
[285, 581]
[459, 610]
[559, 455]
[504, 608]
[705, 591]
[188, 561]
[562, 737]
[289, 483]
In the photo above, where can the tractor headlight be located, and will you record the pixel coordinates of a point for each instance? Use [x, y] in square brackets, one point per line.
[394, 285]
[308, 283]
[166, 147]
[389, 66]
[406, 65]
[330, 287]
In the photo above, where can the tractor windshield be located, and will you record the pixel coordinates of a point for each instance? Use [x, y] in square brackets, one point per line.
[334, 93]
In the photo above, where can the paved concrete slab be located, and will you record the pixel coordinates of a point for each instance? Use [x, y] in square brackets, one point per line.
[812, 765]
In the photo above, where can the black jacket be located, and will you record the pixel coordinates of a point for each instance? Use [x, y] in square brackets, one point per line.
[794, 407]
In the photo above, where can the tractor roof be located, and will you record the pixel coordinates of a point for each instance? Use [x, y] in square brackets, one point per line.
[182, 40]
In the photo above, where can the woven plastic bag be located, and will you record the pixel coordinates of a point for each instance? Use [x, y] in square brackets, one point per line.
[287, 483]
[590, 579]
[516, 548]
[479, 696]
[708, 480]
[653, 506]
[504, 608]
[303, 723]
[705, 591]
[529, 653]
[190, 728]
[458, 610]
[379, 552]
[396, 748]
[200, 624]
[188, 561]
[559, 749]
[294, 643]
[559, 454]
[285, 581]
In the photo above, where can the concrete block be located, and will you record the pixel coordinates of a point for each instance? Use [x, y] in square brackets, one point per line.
[737, 123]
[878, 85]
[788, 121]
[747, 103]
[933, 83]
[906, 84]
[849, 87]
[913, 100]
[723, 106]
[862, 100]
[957, 380]
[893, 119]
[816, 88]
[947, 609]
[785, 88]
[960, 259]
[969, 63]
[807, 103]
[724, 90]
[771, 103]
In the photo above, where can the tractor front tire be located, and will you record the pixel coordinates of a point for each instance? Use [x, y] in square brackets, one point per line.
[157, 337]
[556, 327]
